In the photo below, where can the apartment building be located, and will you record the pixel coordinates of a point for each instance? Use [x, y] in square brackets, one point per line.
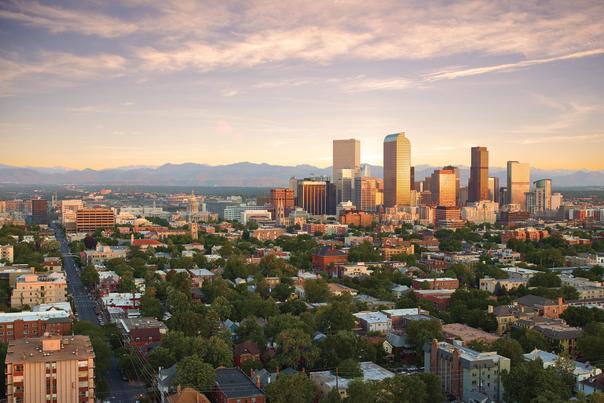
[26, 324]
[467, 374]
[7, 253]
[91, 219]
[35, 289]
[59, 369]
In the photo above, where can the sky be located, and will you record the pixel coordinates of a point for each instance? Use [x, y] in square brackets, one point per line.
[99, 84]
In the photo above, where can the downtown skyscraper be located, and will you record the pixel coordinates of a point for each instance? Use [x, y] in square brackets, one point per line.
[397, 170]
[478, 186]
[519, 183]
[346, 166]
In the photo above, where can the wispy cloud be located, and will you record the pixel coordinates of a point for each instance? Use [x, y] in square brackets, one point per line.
[83, 109]
[454, 73]
[388, 84]
[584, 138]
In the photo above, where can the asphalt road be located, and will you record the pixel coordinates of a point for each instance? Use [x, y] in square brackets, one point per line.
[121, 392]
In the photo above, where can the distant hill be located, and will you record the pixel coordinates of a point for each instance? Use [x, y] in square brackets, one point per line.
[242, 174]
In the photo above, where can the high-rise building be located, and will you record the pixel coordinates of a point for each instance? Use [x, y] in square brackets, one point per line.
[494, 189]
[543, 195]
[457, 183]
[556, 201]
[312, 195]
[91, 219]
[412, 178]
[39, 211]
[478, 186]
[397, 170]
[444, 188]
[346, 166]
[57, 369]
[519, 183]
[69, 209]
[346, 155]
[193, 205]
[366, 193]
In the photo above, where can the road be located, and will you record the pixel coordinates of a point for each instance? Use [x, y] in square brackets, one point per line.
[120, 391]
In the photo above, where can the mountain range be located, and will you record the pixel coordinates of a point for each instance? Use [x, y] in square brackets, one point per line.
[244, 174]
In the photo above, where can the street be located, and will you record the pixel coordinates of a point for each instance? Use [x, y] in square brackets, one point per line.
[120, 391]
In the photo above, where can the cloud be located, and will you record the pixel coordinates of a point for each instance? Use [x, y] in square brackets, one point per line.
[83, 109]
[588, 138]
[388, 84]
[468, 72]
[229, 92]
[56, 65]
[57, 19]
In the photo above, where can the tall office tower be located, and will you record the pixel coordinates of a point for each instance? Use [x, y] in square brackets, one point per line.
[345, 185]
[503, 195]
[57, 369]
[283, 198]
[444, 185]
[494, 189]
[312, 196]
[39, 211]
[457, 183]
[478, 186]
[543, 195]
[366, 193]
[412, 178]
[346, 155]
[397, 170]
[519, 182]
[346, 166]
[530, 202]
[293, 184]
[69, 209]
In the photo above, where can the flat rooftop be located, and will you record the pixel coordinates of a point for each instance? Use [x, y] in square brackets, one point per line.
[30, 350]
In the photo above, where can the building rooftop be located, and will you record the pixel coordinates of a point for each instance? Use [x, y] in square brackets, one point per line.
[234, 383]
[550, 359]
[403, 312]
[30, 350]
[559, 331]
[467, 333]
[130, 324]
[372, 317]
[27, 316]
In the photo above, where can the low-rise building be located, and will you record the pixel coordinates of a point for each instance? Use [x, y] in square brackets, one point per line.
[142, 333]
[233, 386]
[339, 289]
[329, 380]
[581, 371]
[546, 307]
[200, 276]
[467, 334]
[563, 335]
[327, 256]
[52, 368]
[11, 273]
[466, 374]
[52, 263]
[374, 321]
[508, 315]
[441, 283]
[493, 284]
[125, 300]
[102, 253]
[267, 234]
[246, 351]
[29, 324]
[7, 253]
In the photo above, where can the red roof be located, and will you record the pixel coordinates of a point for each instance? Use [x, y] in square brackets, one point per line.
[147, 242]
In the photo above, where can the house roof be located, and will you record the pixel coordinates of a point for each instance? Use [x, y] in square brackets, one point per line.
[233, 383]
[596, 382]
[535, 300]
[247, 347]
[188, 395]
[328, 251]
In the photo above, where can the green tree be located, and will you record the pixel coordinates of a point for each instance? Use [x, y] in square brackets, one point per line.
[316, 290]
[3, 350]
[151, 307]
[422, 331]
[89, 276]
[528, 381]
[510, 348]
[218, 352]
[545, 279]
[591, 343]
[161, 357]
[580, 316]
[350, 368]
[193, 372]
[296, 349]
[335, 317]
[364, 252]
[296, 388]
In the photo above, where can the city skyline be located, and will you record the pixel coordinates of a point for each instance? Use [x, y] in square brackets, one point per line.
[91, 85]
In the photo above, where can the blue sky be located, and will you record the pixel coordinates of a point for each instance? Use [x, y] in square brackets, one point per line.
[109, 83]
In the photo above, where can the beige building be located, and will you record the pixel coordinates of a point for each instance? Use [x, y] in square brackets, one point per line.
[397, 170]
[519, 183]
[58, 369]
[7, 253]
[69, 209]
[34, 289]
[346, 155]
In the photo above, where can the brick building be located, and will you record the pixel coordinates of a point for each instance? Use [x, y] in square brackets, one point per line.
[25, 325]
[327, 256]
